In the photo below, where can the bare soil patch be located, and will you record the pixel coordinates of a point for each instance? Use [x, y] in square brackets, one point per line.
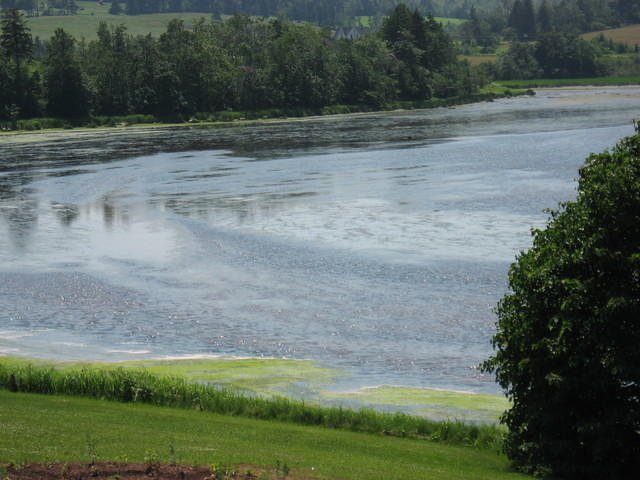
[134, 471]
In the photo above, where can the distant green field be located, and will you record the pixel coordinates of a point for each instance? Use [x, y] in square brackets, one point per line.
[48, 428]
[569, 82]
[365, 20]
[85, 23]
[478, 59]
[450, 20]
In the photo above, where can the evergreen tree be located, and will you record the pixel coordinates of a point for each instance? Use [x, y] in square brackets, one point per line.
[16, 45]
[115, 8]
[522, 19]
[528, 21]
[6, 88]
[544, 17]
[515, 17]
[65, 91]
[565, 56]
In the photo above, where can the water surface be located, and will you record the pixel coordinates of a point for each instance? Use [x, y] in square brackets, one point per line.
[376, 243]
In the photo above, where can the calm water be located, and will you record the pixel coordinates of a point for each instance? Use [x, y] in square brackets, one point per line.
[378, 244]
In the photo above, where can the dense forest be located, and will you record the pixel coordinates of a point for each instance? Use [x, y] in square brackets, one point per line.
[525, 20]
[241, 63]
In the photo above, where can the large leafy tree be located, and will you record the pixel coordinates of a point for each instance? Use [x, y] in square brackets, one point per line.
[107, 62]
[568, 334]
[564, 56]
[365, 71]
[519, 62]
[421, 48]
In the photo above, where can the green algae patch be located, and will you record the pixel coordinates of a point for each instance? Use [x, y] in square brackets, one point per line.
[265, 376]
[271, 376]
[432, 403]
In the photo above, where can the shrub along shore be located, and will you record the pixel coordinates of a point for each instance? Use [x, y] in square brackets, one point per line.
[227, 116]
[570, 82]
[138, 386]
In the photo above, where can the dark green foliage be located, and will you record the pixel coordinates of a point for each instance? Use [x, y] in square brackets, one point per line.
[628, 11]
[522, 20]
[6, 88]
[239, 64]
[115, 8]
[421, 49]
[16, 47]
[65, 90]
[544, 17]
[568, 334]
[564, 56]
[478, 31]
[126, 385]
[519, 62]
[365, 72]
[554, 55]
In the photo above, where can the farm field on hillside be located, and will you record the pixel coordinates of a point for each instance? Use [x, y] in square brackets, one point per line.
[85, 23]
[478, 59]
[629, 34]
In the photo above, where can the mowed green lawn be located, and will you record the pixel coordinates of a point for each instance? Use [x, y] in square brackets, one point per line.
[85, 22]
[41, 428]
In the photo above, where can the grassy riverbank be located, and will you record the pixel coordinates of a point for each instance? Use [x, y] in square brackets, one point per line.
[132, 385]
[132, 415]
[272, 376]
[570, 82]
[301, 379]
[46, 428]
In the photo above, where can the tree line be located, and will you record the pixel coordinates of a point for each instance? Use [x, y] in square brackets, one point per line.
[241, 63]
[322, 12]
[526, 20]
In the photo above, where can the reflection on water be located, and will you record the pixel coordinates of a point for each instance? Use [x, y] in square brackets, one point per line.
[374, 243]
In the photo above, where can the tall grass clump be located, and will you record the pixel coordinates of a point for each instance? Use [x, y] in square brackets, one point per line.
[127, 385]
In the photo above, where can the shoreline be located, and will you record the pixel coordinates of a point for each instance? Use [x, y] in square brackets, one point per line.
[212, 360]
[52, 134]
[7, 135]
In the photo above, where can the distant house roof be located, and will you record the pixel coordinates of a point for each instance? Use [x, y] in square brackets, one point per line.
[351, 33]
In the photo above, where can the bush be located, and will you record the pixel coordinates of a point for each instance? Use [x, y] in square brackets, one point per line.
[568, 335]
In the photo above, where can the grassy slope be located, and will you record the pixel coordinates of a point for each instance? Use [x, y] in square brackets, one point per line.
[52, 428]
[629, 34]
[85, 23]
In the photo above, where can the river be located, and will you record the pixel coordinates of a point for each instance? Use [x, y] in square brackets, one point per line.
[376, 243]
